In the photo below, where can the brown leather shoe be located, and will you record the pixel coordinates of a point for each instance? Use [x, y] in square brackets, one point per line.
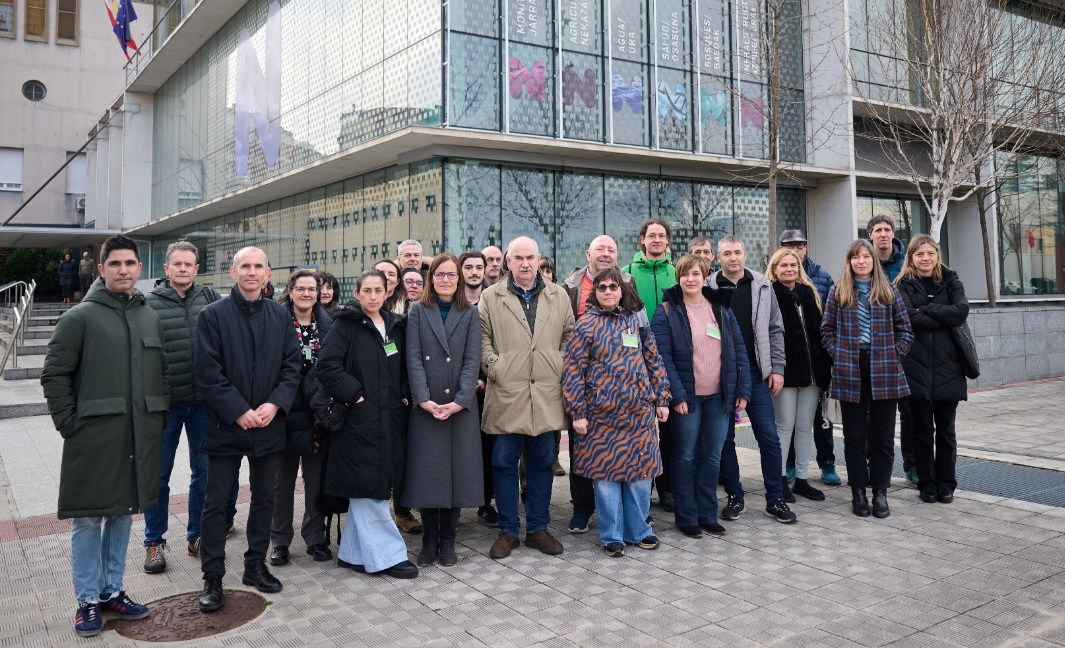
[558, 469]
[503, 545]
[543, 541]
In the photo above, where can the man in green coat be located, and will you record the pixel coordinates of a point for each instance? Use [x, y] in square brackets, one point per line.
[106, 384]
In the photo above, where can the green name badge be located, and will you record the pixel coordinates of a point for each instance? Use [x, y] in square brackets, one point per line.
[308, 353]
[713, 331]
[630, 340]
[390, 349]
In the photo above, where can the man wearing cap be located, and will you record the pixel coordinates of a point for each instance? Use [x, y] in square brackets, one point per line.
[822, 281]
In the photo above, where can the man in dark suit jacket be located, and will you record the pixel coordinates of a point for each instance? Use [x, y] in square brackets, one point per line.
[248, 369]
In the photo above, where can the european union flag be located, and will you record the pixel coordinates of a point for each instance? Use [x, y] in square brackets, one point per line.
[122, 14]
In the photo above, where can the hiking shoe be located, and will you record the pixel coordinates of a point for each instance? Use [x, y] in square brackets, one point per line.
[488, 512]
[650, 543]
[579, 523]
[789, 473]
[666, 500]
[779, 509]
[154, 560]
[124, 606]
[407, 522]
[911, 476]
[614, 549]
[829, 477]
[733, 508]
[194, 547]
[87, 621]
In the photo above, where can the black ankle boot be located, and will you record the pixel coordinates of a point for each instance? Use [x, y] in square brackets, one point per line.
[449, 524]
[430, 537]
[788, 497]
[880, 507]
[859, 502]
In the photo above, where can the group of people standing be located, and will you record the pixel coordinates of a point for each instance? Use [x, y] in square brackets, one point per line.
[459, 373]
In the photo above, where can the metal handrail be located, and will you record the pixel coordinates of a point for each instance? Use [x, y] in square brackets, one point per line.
[20, 295]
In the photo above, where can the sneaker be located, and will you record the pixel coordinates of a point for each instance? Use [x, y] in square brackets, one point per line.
[829, 477]
[579, 523]
[911, 476]
[124, 606]
[87, 621]
[488, 512]
[779, 509]
[614, 550]
[733, 508]
[154, 560]
[407, 522]
[666, 500]
[789, 473]
[650, 543]
[194, 547]
[230, 525]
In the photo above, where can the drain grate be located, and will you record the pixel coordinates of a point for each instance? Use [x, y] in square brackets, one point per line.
[1024, 483]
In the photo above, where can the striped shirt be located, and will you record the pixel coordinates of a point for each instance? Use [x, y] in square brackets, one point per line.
[706, 350]
[863, 286]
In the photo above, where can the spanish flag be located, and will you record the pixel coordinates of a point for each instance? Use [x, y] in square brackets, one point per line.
[122, 14]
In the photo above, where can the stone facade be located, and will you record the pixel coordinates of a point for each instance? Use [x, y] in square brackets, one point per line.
[1018, 343]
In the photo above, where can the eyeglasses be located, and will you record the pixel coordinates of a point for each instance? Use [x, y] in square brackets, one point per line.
[795, 244]
[303, 289]
[607, 287]
[450, 276]
[414, 282]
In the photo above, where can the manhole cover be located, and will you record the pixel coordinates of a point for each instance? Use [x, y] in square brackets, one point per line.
[178, 618]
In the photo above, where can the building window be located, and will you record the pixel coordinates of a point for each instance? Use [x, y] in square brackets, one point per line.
[7, 18]
[37, 20]
[34, 90]
[76, 173]
[10, 169]
[66, 22]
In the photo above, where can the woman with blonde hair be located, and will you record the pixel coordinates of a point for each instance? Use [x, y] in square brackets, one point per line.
[807, 370]
[867, 333]
[935, 302]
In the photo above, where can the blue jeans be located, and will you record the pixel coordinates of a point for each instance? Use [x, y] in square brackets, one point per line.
[370, 537]
[698, 438]
[194, 419]
[539, 455]
[622, 508]
[764, 425]
[98, 555]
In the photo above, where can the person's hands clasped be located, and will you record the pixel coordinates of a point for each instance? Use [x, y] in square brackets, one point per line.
[443, 412]
[266, 413]
[249, 420]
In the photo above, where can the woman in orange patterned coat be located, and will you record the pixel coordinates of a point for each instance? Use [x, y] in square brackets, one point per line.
[614, 387]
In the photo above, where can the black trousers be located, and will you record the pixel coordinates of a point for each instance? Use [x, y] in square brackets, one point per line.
[906, 435]
[823, 441]
[581, 491]
[220, 473]
[869, 424]
[664, 482]
[487, 446]
[935, 448]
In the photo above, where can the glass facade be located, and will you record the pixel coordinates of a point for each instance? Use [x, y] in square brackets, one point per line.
[1031, 227]
[273, 91]
[459, 205]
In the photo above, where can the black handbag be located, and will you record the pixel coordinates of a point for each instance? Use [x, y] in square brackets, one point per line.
[329, 412]
[963, 339]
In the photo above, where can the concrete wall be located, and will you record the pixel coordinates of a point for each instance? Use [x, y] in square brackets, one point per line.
[1018, 343]
[81, 80]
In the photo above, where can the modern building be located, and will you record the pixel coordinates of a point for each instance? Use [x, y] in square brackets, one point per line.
[60, 67]
[327, 131]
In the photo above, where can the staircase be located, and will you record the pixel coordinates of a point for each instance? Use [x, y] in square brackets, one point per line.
[20, 387]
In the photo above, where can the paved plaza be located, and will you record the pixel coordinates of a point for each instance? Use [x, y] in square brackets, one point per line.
[986, 570]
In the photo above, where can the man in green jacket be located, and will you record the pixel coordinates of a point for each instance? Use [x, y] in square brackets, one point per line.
[653, 273]
[651, 267]
[106, 384]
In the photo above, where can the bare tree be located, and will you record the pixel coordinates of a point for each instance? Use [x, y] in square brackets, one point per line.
[980, 84]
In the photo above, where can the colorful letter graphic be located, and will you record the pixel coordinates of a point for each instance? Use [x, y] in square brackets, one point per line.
[714, 107]
[258, 93]
[535, 82]
[587, 89]
[672, 103]
[627, 94]
[752, 113]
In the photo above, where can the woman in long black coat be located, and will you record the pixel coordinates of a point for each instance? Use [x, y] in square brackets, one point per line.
[68, 277]
[362, 365]
[935, 301]
[443, 472]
